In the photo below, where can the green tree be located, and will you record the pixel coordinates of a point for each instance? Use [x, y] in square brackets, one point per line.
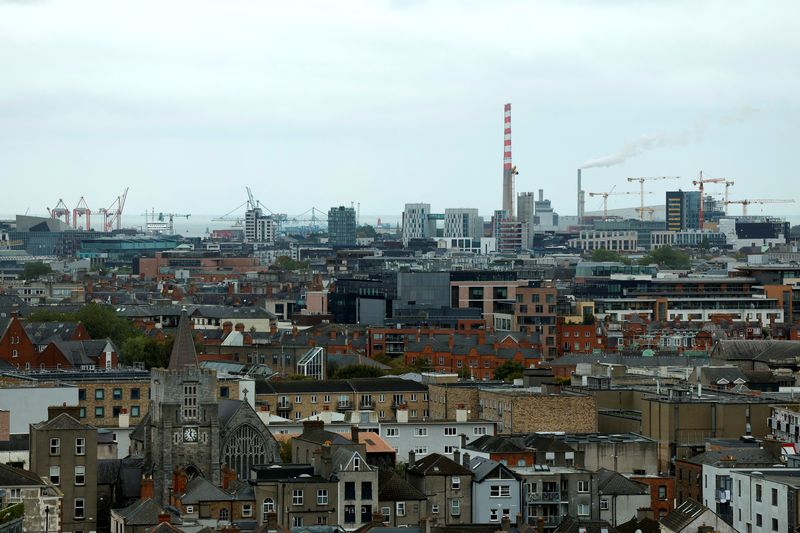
[366, 231]
[35, 269]
[602, 255]
[285, 262]
[508, 371]
[100, 321]
[357, 371]
[667, 257]
[152, 352]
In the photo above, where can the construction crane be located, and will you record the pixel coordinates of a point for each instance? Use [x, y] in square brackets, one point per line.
[701, 181]
[60, 210]
[605, 196]
[749, 201]
[82, 210]
[641, 189]
[112, 215]
[649, 210]
[728, 185]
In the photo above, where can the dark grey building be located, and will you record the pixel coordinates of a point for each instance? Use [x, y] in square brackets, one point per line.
[342, 226]
[683, 210]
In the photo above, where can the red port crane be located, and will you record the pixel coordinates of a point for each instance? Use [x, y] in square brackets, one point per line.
[112, 215]
[59, 211]
[82, 210]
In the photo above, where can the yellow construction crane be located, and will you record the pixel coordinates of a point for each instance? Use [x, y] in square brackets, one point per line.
[605, 196]
[641, 189]
[749, 201]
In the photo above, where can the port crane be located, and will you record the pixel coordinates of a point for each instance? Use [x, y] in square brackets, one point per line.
[59, 211]
[749, 201]
[112, 215]
[82, 210]
[641, 181]
[605, 196]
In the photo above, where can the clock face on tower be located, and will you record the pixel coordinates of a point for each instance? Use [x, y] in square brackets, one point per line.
[190, 434]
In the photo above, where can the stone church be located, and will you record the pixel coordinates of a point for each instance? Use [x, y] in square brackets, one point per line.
[188, 432]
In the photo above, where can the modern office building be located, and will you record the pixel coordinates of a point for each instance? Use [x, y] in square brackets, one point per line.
[683, 210]
[342, 226]
[259, 227]
[417, 222]
[462, 222]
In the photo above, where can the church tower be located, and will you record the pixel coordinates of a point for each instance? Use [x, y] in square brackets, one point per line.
[183, 432]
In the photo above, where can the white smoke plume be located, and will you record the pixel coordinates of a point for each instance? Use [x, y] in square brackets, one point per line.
[644, 143]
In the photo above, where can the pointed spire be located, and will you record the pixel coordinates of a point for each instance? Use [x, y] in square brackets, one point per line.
[183, 352]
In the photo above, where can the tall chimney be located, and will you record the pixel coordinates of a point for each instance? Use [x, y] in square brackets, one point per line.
[508, 168]
[580, 215]
[541, 195]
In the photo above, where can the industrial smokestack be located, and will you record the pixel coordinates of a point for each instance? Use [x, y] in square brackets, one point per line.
[541, 195]
[508, 167]
[580, 214]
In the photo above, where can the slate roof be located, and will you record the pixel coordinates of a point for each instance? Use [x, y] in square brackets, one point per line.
[141, 513]
[645, 525]
[761, 350]
[482, 467]
[498, 444]
[62, 422]
[339, 385]
[683, 515]
[716, 374]
[436, 464]
[82, 352]
[394, 488]
[17, 477]
[614, 483]
[201, 490]
[574, 525]
[743, 458]
[183, 351]
[45, 332]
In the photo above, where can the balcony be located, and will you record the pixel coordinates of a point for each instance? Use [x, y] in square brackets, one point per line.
[285, 406]
[344, 405]
[366, 404]
[553, 497]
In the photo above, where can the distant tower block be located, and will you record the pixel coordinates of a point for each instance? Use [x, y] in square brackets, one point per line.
[508, 168]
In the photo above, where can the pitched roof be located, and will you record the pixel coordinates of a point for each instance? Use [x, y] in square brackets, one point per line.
[723, 374]
[394, 488]
[436, 464]
[62, 422]
[645, 525]
[141, 513]
[201, 490]
[610, 482]
[683, 515]
[17, 477]
[482, 467]
[183, 351]
[744, 457]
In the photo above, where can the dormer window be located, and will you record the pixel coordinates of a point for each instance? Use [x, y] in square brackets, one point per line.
[356, 463]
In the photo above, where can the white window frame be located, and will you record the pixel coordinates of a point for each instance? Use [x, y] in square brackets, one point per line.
[455, 483]
[55, 475]
[80, 475]
[455, 507]
[322, 496]
[583, 486]
[400, 509]
[80, 446]
[247, 510]
[55, 446]
[420, 432]
[392, 432]
[81, 507]
[450, 431]
[297, 497]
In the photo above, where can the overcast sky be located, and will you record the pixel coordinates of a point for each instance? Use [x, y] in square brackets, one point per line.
[383, 103]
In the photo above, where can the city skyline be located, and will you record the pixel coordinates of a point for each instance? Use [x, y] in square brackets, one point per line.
[346, 108]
